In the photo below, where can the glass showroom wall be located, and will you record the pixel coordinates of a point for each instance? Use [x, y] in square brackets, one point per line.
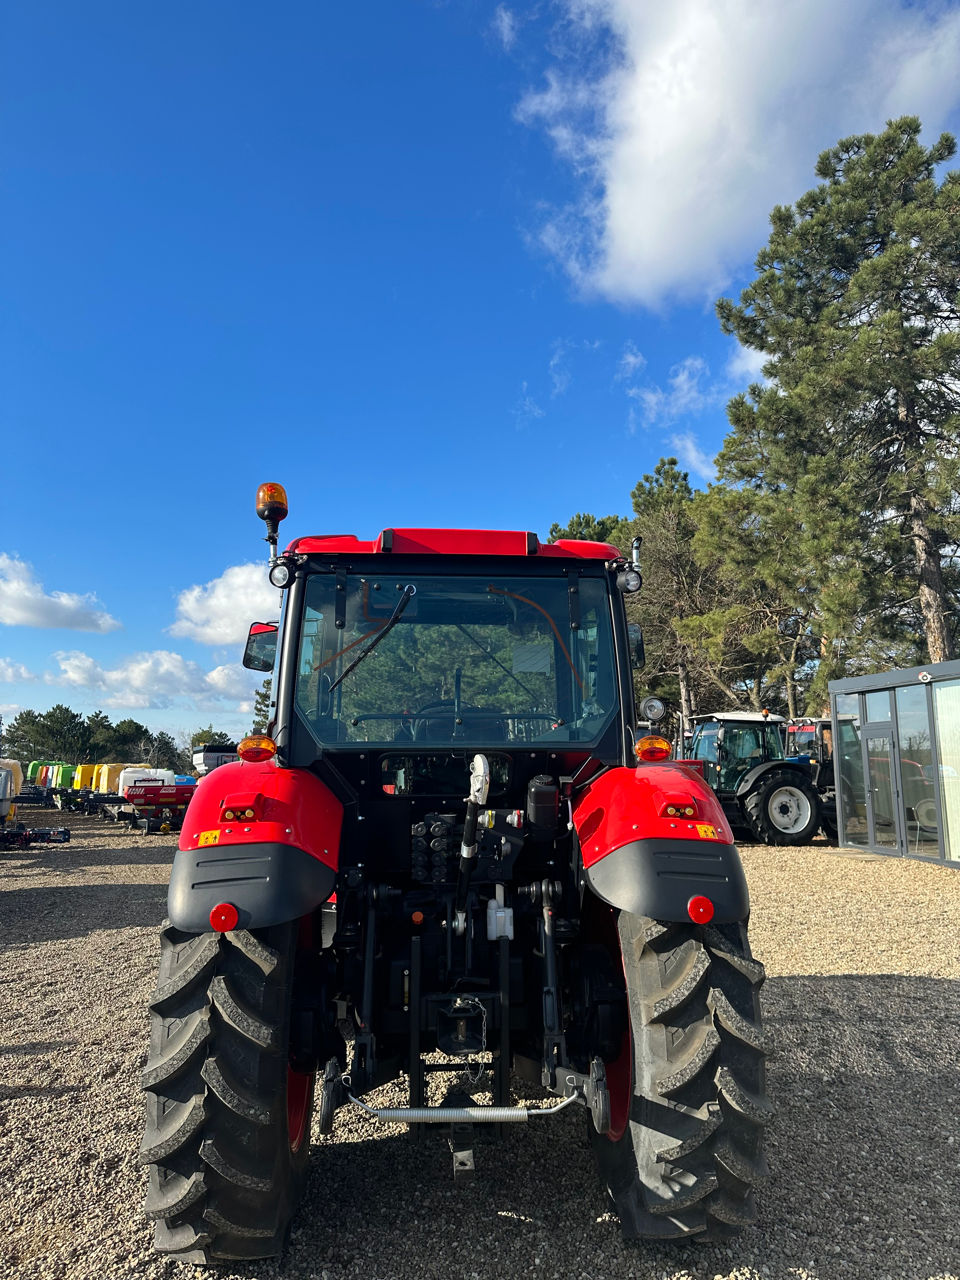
[897, 761]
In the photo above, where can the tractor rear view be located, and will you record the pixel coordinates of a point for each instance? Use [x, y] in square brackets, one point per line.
[449, 860]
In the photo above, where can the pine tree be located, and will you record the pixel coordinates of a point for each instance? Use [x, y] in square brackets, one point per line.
[857, 306]
[261, 706]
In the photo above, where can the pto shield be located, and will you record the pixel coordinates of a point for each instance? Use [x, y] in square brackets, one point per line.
[262, 838]
[654, 837]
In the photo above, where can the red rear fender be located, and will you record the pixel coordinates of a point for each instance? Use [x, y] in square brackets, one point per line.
[288, 806]
[654, 837]
[262, 839]
[624, 805]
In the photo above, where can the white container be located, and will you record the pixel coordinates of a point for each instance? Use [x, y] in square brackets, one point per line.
[142, 775]
[15, 768]
[6, 793]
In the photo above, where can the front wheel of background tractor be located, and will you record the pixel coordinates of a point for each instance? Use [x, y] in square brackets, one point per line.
[687, 1100]
[784, 809]
[228, 1119]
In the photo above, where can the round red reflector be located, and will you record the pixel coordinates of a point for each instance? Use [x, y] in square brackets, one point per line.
[417, 917]
[700, 909]
[225, 917]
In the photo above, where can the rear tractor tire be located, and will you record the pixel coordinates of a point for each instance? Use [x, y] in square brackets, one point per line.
[228, 1118]
[687, 1101]
[784, 809]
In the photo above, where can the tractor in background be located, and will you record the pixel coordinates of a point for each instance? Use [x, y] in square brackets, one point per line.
[772, 795]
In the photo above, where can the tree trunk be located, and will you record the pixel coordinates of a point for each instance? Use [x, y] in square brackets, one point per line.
[686, 707]
[940, 647]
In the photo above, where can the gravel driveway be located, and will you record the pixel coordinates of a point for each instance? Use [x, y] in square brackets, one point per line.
[862, 1007]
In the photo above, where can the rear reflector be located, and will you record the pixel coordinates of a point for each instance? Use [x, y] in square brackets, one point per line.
[225, 917]
[700, 909]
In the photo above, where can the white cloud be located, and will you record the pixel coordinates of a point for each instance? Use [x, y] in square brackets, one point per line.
[692, 457]
[746, 365]
[24, 603]
[526, 410]
[11, 671]
[560, 375]
[220, 611]
[505, 26]
[693, 119]
[631, 362]
[688, 391]
[157, 679]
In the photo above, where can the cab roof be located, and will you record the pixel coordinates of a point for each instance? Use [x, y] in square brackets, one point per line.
[451, 542]
[751, 717]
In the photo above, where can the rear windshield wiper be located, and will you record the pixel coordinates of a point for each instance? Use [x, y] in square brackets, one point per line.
[409, 591]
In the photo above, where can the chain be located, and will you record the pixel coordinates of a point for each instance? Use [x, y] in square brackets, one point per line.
[473, 1003]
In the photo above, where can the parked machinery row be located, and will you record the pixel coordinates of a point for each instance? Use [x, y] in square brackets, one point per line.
[138, 794]
[14, 834]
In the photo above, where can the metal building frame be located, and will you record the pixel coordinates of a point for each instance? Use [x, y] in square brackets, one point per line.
[889, 681]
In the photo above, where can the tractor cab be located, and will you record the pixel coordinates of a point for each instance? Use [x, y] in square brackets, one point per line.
[730, 744]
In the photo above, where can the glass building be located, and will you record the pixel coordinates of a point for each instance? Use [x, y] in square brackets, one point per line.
[896, 755]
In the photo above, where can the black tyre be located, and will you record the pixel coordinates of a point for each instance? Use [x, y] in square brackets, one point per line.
[828, 820]
[228, 1119]
[784, 809]
[687, 1100]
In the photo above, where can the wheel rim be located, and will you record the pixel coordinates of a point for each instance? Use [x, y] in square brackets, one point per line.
[620, 1087]
[789, 810]
[926, 812]
[298, 1095]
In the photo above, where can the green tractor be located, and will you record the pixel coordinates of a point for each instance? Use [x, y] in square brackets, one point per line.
[776, 798]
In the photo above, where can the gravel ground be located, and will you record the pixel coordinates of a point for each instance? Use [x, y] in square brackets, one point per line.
[862, 1007]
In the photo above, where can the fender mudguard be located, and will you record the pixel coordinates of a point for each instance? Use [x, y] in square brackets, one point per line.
[640, 857]
[263, 838]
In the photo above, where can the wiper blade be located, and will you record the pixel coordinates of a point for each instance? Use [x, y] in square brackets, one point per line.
[409, 591]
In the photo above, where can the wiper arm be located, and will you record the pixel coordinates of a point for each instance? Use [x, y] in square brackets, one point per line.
[409, 591]
[493, 658]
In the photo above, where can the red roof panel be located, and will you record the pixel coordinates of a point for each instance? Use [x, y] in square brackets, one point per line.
[452, 542]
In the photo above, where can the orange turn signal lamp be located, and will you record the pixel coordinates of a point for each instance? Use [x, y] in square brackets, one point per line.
[257, 748]
[652, 748]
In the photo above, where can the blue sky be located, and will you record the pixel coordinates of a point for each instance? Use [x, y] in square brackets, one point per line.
[423, 262]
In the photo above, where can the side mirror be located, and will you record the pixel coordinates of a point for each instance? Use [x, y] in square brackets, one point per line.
[638, 657]
[260, 652]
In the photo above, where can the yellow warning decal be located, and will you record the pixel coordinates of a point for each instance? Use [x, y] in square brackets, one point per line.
[213, 837]
[704, 831]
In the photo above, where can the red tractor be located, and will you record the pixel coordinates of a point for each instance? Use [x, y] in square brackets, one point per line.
[449, 859]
